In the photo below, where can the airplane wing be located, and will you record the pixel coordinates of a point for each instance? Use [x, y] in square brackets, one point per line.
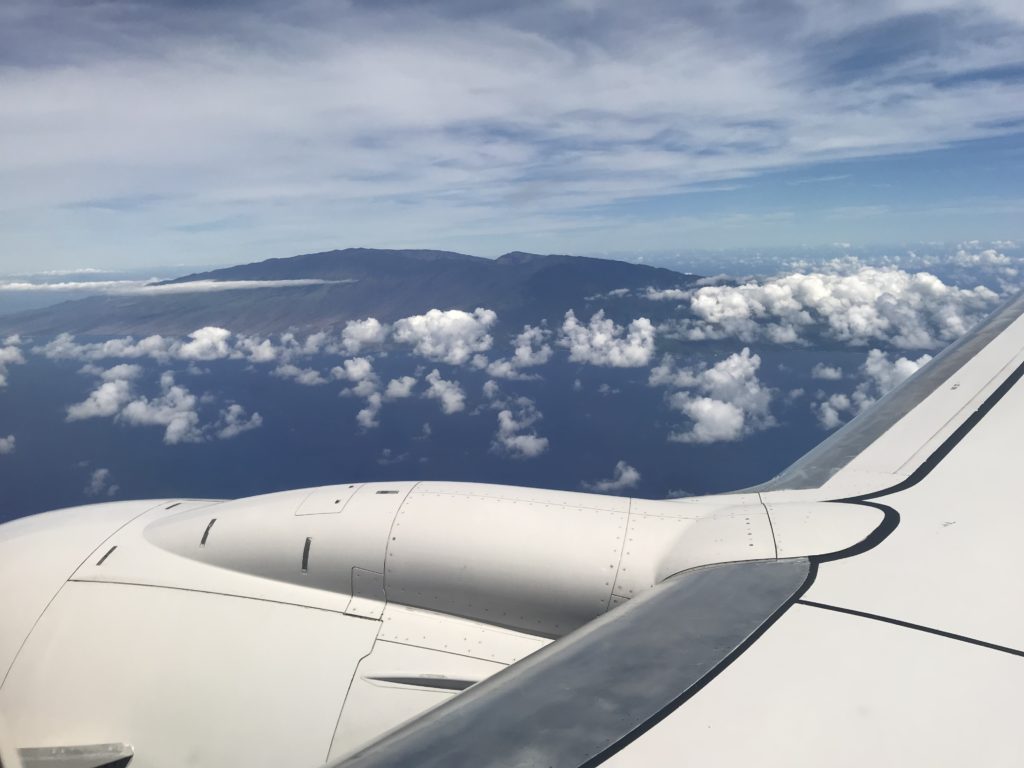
[904, 648]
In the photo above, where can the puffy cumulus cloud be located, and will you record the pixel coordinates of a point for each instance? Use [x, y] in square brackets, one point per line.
[911, 311]
[603, 342]
[367, 416]
[624, 476]
[988, 257]
[234, 420]
[668, 294]
[366, 384]
[358, 334]
[354, 369]
[451, 336]
[400, 388]
[64, 347]
[885, 375]
[209, 343]
[10, 354]
[104, 401]
[724, 402]
[880, 376]
[305, 376]
[100, 484]
[7, 445]
[516, 436]
[256, 350]
[449, 393]
[359, 371]
[531, 349]
[204, 344]
[826, 372]
[175, 408]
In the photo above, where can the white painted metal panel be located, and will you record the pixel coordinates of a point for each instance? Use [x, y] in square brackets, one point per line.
[908, 442]
[183, 564]
[328, 500]
[808, 528]
[186, 678]
[954, 561]
[374, 705]
[664, 538]
[518, 562]
[821, 688]
[427, 629]
[39, 553]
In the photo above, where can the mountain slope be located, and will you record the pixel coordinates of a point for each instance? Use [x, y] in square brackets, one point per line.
[386, 284]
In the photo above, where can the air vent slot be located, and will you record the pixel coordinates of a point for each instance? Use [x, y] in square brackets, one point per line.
[206, 533]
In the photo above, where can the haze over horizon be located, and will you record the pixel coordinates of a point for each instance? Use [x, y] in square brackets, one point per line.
[166, 132]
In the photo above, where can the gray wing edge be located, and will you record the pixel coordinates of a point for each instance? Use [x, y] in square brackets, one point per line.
[582, 698]
[818, 465]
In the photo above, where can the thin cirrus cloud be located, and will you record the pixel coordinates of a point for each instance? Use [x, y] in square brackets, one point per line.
[453, 122]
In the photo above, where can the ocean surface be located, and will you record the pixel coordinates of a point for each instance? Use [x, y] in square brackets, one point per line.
[593, 418]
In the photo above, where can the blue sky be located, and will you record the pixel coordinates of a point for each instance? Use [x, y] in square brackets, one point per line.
[145, 133]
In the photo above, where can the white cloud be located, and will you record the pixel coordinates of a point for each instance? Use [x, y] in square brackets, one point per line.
[354, 369]
[668, 294]
[209, 343]
[359, 371]
[724, 402]
[367, 416]
[603, 342]
[10, 354]
[449, 393]
[826, 372]
[203, 344]
[516, 436]
[451, 336]
[174, 409]
[255, 349]
[624, 476]
[305, 376]
[64, 347]
[100, 485]
[147, 288]
[363, 333]
[531, 349]
[400, 388]
[234, 420]
[105, 401]
[880, 376]
[913, 311]
[7, 445]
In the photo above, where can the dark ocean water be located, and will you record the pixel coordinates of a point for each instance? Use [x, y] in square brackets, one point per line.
[310, 436]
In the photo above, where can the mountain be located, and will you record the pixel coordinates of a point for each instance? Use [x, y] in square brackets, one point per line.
[386, 284]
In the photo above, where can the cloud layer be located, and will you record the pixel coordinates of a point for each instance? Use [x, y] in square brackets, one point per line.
[242, 124]
[868, 305]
